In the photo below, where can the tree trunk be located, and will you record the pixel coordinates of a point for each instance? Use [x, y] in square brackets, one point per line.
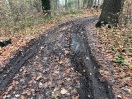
[78, 4]
[46, 6]
[66, 6]
[84, 3]
[111, 11]
[90, 3]
[56, 5]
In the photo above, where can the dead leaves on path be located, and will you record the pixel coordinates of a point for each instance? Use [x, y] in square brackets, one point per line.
[49, 74]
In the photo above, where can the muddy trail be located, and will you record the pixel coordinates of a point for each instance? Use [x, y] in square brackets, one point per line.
[56, 65]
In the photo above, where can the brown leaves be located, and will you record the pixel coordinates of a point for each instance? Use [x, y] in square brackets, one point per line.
[63, 91]
[113, 42]
[23, 97]
[10, 88]
[68, 71]
[26, 92]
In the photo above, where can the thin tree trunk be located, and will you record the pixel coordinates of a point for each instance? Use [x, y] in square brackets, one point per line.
[84, 3]
[78, 4]
[66, 6]
[90, 3]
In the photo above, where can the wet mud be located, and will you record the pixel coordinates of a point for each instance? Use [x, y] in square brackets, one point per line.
[62, 57]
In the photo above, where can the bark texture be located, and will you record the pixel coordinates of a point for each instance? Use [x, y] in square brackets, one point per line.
[111, 11]
[46, 6]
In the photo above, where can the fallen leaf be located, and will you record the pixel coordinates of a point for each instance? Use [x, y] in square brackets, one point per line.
[9, 88]
[39, 77]
[22, 97]
[28, 92]
[17, 95]
[40, 85]
[68, 71]
[63, 91]
[60, 62]
[66, 52]
[74, 91]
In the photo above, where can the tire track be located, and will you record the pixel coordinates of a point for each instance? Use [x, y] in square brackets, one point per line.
[90, 85]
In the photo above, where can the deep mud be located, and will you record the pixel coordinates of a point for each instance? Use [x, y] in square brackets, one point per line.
[58, 60]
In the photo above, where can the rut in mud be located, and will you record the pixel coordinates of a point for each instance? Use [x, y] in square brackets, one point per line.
[57, 64]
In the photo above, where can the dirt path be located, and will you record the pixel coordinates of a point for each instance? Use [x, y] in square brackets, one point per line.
[56, 65]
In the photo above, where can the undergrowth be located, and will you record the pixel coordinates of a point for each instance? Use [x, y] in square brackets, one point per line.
[26, 24]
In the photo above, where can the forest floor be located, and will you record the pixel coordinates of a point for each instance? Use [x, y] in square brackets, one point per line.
[60, 63]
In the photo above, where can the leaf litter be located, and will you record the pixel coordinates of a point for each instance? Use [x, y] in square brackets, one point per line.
[48, 74]
[111, 47]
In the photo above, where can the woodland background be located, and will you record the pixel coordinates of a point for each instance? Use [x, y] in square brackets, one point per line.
[23, 20]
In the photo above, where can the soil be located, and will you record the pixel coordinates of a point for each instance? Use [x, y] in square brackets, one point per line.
[58, 64]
